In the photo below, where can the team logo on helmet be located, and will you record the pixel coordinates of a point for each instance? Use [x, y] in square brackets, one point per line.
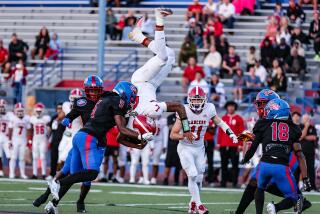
[274, 106]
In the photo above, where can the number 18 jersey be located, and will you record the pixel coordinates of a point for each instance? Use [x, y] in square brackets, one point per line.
[199, 123]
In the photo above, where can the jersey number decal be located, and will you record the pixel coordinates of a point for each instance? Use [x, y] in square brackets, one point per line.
[280, 131]
[39, 130]
[157, 107]
[20, 130]
[95, 109]
[3, 127]
[197, 132]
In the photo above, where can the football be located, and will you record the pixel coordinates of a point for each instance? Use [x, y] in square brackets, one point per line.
[144, 124]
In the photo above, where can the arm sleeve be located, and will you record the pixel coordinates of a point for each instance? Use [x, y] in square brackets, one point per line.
[249, 154]
[73, 114]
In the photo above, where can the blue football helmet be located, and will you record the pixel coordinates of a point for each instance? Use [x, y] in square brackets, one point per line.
[128, 92]
[93, 87]
[277, 109]
[262, 98]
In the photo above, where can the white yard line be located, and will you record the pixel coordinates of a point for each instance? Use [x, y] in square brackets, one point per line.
[71, 190]
[162, 194]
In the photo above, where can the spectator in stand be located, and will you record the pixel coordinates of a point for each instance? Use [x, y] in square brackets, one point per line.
[115, 3]
[282, 50]
[212, 61]
[147, 27]
[307, 2]
[223, 45]
[308, 142]
[119, 27]
[18, 75]
[195, 32]
[298, 34]
[231, 63]
[4, 59]
[57, 130]
[212, 32]
[314, 34]
[279, 81]
[130, 18]
[55, 46]
[41, 45]
[209, 9]
[283, 33]
[278, 10]
[127, 29]
[267, 53]
[296, 64]
[111, 21]
[190, 71]
[244, 7]
[226, 12]
[217, 91]
[238, 83]
[272, 28]
[188, 49]
[112, 151]
[17, 49]
[199, 81]
[229, 150]
[209, 147]
[252, 57]
[295, 12]
[297, 46]
[195, 11]
[252, 81]
[261, 72]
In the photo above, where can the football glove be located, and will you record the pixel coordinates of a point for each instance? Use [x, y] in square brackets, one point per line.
[66, 122]
[246, 136]
[234, 138]
[146, 137]
[306, 184]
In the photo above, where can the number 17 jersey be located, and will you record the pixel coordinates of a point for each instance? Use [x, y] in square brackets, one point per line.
[199, 123]
[277, 138]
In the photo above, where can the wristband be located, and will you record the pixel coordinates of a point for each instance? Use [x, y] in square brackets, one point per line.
[229, 132]
[185, 125]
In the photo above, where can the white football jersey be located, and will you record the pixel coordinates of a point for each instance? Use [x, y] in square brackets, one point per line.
[161, 126]
[76, 123]
[40, 129]
[4, 123]
[19, 128]
[199, 123]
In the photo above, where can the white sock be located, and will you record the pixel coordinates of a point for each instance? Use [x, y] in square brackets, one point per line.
[145, 172]
[160, 45]
[22, 167]
[34, 167]
[43, 166]
[133, 169]
[194, 190]
[12, 166]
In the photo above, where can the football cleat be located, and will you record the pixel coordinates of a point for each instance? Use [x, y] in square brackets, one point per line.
[23, 176]
[271, 208]
[153, 181]
[192, 208]
[40, 200]
[136, 34]
[306, 204]
[81, 208]
[54, 188]
[162, 12]
[51, 209]
[1, 173]
[202, 209]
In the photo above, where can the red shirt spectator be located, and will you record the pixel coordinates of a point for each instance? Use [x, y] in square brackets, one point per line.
[111, 136]
[195, 7]
[18, 74]
[214, 26]
[236, 123]
[209, 136]
[191, 70]
[4, 54]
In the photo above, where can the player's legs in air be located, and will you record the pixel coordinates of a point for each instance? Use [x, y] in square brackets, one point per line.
[158, 46]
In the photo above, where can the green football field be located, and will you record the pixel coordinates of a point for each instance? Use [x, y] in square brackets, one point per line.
[126, 199]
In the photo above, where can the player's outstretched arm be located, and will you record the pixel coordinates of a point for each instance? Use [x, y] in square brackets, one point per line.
[175, 131]
[303, 166]
[130, 142]
[219, 122]
[179, 108]
[249, 154]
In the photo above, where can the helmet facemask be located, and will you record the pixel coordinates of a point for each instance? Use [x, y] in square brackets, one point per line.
[196, 103]
[2, 109]
[260, 105]
[93, 93]
[19, 113]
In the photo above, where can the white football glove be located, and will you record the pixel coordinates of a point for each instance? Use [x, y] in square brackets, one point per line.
[146, 137]
[234, 138]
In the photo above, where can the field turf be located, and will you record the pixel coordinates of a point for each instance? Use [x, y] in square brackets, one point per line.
[125, 199]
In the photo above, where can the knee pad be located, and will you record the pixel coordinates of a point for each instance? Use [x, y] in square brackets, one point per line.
[192, 178]
[199, 178]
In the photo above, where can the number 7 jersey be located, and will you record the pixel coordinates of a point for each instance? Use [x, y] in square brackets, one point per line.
[199, 123]
[19, 128]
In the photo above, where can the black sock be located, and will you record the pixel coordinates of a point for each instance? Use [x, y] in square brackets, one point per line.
[63, 190]
[84, 192]
[274, 190]
[285, 204]
[83, 176]
[47, 192]
[246, 199]
[259, 200]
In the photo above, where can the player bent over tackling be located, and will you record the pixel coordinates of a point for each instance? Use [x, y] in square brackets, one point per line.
[192, 154]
